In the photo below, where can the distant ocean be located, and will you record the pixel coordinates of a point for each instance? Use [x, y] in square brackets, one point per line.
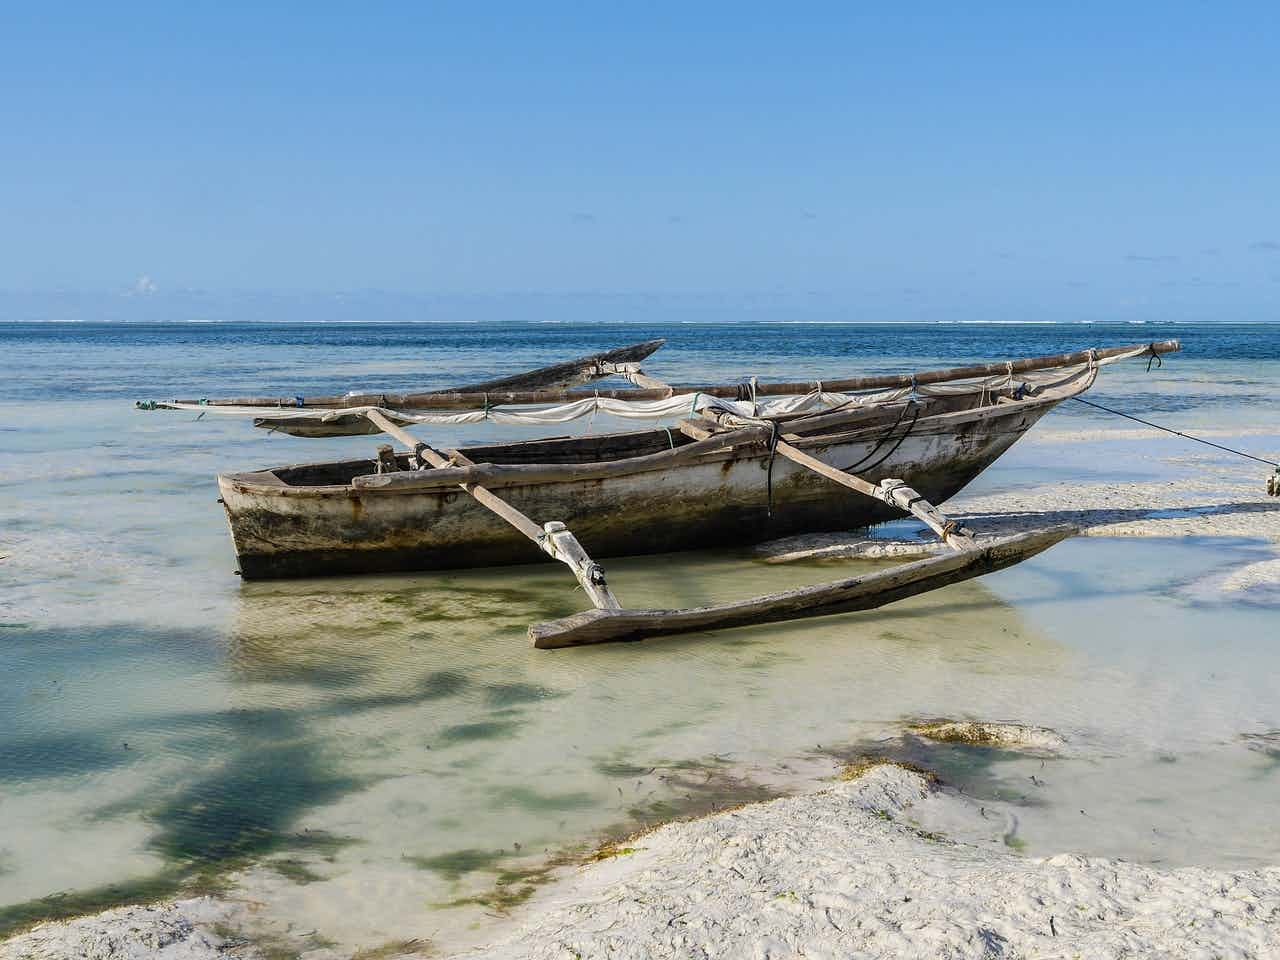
[46, 361]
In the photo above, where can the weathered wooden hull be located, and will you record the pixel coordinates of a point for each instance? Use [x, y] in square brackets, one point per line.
[284, 531]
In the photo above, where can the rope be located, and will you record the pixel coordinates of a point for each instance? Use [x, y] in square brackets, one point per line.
[885, 438]
[890, 452]
[1177, 433]
[670, 439]
[1155, 358]
[773, 455]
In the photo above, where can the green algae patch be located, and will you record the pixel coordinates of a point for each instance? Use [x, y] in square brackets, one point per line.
[482, 730]
[458, 863]
[19, 917]
[292, 869]
[511, 888]
[394, 949]
[1013, 736]
[622, 770]
[972, 769]
[610, 851]
[858, 768]
[506, 694]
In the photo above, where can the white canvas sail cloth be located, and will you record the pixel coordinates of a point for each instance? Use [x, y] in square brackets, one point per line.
[680, 405]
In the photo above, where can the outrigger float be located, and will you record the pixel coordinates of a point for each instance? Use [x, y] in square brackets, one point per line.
[740, 463]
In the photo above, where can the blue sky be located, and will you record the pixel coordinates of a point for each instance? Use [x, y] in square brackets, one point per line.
[682, 161]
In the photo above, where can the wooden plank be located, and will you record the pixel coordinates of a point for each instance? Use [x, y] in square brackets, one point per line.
[841, 596]
[518, 474]
[553, 538]
[471, 400]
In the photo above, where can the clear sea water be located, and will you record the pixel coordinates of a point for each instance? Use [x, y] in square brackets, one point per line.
[362, 756]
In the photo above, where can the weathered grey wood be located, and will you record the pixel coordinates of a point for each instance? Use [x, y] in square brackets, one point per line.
[510, 475]
[841, 596]
[470, 399]
[553, 538]
[893, 491]
[642, 379]
[563, 545]
[554, 376]
[570, 372]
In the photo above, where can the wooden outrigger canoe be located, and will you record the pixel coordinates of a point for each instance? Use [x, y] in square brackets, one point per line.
[716, 478]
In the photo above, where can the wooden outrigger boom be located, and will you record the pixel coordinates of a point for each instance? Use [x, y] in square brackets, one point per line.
[841, 596]
[845, 460]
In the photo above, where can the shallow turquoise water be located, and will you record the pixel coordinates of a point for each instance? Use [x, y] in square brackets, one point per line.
[380, 745]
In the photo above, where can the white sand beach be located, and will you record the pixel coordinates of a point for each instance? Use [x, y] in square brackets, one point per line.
[884, 862]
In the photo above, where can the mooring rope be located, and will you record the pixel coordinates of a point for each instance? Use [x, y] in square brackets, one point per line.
[1177, 433]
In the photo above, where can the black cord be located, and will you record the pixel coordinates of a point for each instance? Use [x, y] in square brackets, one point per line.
[862, 465]
[773, 453]
[890, 452]
[885, 437]
[1176, 433]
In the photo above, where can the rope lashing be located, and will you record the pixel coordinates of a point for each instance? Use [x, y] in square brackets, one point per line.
[671, 441]
[1154, 358]
[875, 449]
[773, 455]
[299, 402]
[1177, 433]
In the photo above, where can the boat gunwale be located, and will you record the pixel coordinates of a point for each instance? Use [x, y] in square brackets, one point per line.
[255, 482]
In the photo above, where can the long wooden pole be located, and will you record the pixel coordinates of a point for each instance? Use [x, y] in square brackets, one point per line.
[553, 538]
[469, 400]
[864, 592]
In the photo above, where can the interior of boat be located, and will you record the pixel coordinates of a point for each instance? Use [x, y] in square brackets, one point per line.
[891, 418]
